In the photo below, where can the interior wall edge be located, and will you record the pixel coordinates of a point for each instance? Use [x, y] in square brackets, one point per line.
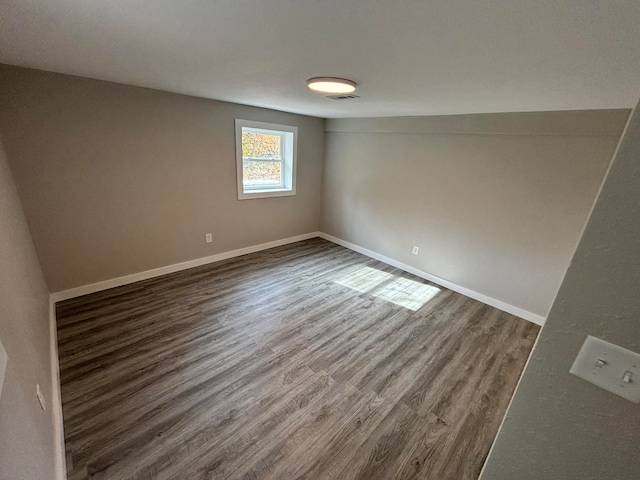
[557, 419]
[493, 302]
[593, 206]
[56, 395]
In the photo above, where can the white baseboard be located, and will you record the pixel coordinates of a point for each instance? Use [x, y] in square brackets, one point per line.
[136, 277]
[156, 272]
[519, 312]
[56, 397]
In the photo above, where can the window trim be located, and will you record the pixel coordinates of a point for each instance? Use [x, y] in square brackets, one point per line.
[289, 160]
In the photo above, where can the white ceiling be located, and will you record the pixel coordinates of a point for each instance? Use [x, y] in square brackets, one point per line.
[411, 57]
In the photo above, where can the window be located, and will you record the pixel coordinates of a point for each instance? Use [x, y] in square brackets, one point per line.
[266, 159]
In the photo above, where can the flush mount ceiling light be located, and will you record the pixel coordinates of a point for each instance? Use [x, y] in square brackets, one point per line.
[331, 85]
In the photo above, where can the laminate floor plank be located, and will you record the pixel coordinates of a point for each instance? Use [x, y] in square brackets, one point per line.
[306, 361]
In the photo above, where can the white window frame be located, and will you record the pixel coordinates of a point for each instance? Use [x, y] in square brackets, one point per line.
[288, 149]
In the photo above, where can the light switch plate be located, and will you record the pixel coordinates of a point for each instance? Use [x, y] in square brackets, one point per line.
[606, 365]
[3, 366]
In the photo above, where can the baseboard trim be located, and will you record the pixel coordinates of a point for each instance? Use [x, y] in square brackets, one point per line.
[519, 312]
[156, 272]
[56, 402]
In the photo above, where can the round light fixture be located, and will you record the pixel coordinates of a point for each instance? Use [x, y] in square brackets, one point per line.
[331, 85]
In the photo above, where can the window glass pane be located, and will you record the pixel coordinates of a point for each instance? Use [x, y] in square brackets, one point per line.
[260, 145]
[261, 174]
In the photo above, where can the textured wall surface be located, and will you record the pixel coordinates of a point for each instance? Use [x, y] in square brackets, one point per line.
[117, 180]
[496, 203]
[559, 426]
[26, 432]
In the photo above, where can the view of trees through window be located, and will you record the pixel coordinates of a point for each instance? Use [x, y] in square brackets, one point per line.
[261, 159]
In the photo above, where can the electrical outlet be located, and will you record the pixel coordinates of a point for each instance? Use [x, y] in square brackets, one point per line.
[208, 238]
[415, 250]
[40, 397]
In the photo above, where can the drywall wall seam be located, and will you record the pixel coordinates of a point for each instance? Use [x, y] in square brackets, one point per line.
[519, 312]
[176, 267]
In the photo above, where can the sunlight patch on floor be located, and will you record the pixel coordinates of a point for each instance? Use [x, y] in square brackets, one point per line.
[406, 293]
[392, 288]
[364, 279]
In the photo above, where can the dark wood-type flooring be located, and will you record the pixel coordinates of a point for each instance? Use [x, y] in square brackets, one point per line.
[307, 361]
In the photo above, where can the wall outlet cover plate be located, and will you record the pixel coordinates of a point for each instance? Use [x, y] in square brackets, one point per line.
[606, 365]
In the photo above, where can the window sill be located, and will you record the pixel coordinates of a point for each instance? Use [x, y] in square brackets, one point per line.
[272, 192]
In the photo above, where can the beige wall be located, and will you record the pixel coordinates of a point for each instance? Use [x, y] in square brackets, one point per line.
[26, 432]
[117, 180]
[496, 203]
[559, 426]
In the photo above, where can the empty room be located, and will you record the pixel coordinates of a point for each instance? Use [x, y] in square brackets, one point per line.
[278, 239]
